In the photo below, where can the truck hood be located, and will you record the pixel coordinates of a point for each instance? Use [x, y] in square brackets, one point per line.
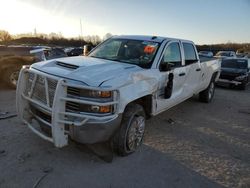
[91, 71]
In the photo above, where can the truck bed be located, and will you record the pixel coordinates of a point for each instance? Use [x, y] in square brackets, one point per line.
[204, 58]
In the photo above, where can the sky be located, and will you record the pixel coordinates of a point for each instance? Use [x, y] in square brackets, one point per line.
[203, 21]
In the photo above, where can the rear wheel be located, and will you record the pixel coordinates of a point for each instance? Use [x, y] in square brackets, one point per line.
[130, 135]
[208, 94]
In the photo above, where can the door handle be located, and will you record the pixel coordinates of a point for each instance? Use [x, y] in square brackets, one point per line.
[182, 74]
[198, 69]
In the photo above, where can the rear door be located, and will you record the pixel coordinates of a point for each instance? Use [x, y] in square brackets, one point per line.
[193, 69]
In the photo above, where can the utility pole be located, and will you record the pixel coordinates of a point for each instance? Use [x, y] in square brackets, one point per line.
[35, 33]
[81, 37]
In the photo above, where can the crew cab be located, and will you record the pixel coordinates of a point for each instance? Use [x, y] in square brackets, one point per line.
[107, 95]
[235, 72]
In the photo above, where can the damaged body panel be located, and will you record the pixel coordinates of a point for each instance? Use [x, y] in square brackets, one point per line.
[107, 95]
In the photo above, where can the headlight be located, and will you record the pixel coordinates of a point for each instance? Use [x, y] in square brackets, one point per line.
[25, 66]
[100, 94]
[89, 93]
[77, 107]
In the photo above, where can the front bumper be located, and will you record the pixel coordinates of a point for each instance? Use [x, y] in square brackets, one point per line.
[46, 105]
[225, 81]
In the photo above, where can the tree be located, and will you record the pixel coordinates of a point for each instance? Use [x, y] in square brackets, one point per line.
[107, 36]
[4, 36]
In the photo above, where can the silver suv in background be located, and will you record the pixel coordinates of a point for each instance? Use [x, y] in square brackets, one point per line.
[225, 54]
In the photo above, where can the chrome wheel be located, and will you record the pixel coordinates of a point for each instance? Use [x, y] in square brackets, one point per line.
[14, 78]
[135, 133]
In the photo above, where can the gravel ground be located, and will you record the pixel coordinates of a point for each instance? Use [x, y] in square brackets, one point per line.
[192, 145]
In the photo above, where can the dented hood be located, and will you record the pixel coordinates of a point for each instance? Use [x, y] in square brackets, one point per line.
[91, 71]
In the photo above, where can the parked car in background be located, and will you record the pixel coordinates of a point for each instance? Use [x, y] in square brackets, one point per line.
[243, 55]
[74, 51]
[107, 95]
[47, 53]
[226, 54]
[206, 53]
[10, 65]
[235, 72]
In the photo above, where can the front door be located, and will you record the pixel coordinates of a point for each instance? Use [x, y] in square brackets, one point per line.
[170, 91]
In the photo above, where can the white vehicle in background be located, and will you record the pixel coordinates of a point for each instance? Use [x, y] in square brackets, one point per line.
[107, 95]
[206, 53]
[47, 53]
[225, 54]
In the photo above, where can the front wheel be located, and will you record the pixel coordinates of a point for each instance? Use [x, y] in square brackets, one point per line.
[208, 94]
[130, 134]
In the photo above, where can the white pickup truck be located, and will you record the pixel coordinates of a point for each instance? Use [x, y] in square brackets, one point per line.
[108, 95]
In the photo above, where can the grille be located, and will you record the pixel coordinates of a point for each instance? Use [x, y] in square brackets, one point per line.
[46, 117]
[52, 84]
[228, 76]
[69, 66]
[74, 91]
[39, 91]
[72, 106]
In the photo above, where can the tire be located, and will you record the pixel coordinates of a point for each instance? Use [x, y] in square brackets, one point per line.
[208, 94]
[243, 86]
[130, 135]
[10, 77]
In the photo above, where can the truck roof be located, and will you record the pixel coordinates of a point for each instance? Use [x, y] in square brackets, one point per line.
[148, 38]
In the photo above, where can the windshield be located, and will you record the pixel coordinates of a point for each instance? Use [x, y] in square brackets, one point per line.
[204, 52]
[234, 63]
[223, 54]
[135, 52]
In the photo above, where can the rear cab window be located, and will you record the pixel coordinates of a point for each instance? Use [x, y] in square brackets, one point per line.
[189, 53]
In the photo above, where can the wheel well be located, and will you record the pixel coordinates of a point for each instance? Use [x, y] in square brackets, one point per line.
[146, 103]
[214, 76]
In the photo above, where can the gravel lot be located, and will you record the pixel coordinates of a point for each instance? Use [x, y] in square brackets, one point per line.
[192, 145]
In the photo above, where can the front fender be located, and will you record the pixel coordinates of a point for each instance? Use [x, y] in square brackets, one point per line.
[134, 86]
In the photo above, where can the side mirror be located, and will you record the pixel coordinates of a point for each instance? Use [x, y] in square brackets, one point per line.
[165, 66]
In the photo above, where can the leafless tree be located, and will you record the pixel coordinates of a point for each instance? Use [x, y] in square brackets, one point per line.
[4, 36]
[107, 36]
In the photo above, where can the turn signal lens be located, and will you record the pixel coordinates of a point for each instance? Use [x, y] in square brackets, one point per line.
[106, 94]
[105, 109]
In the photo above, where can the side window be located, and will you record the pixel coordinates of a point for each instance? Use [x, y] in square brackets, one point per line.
[190, 54]
[172, 55]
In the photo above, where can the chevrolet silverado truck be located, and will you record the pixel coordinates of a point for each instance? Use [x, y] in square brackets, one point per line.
[107, 95]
